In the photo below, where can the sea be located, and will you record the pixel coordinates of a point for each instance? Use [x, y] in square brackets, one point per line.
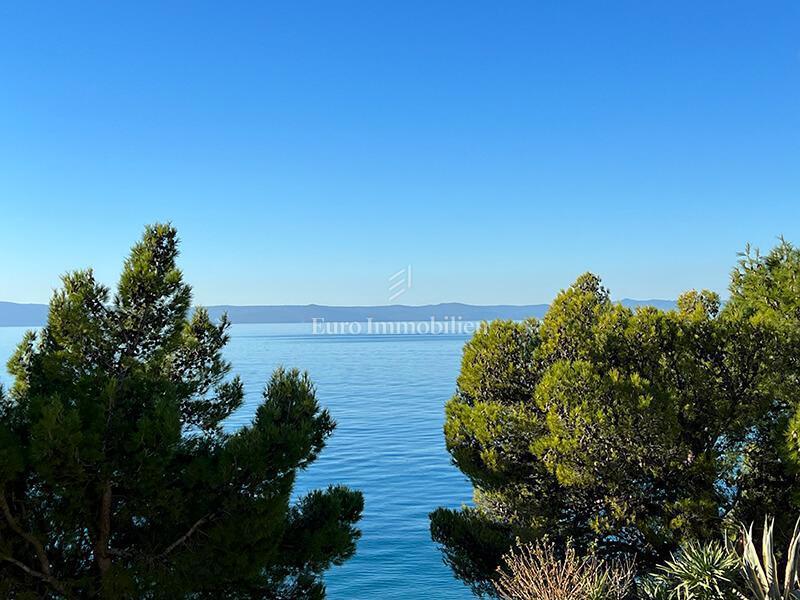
[387, 395]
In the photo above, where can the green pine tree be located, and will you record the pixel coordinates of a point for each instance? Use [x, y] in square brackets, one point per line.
[628, 432]
[117, 479]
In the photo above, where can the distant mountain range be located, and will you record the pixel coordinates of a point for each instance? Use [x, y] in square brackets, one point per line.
[35, 315]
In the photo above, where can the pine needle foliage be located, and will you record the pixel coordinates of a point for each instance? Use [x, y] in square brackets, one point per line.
[118, 478]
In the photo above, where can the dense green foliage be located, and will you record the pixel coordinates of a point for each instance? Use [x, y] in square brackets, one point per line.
[117, 479]
[628, 431]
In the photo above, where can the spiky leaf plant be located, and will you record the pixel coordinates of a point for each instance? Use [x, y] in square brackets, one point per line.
[696, 572]
[762, 572]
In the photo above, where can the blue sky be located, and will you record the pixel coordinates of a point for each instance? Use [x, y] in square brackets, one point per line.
[309, 150]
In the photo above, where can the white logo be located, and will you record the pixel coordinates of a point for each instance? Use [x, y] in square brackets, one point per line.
[399, 283]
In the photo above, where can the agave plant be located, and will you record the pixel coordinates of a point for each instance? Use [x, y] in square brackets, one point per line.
[697, 572]
[761, 573]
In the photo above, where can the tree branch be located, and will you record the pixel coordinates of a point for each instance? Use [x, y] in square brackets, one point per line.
[48, 579]
[32, 540]
[201, 521]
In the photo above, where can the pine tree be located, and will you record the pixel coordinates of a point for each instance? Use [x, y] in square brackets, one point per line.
[117, 477]
[627, 432]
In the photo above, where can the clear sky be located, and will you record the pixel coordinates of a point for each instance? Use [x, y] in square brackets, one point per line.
[307, 151]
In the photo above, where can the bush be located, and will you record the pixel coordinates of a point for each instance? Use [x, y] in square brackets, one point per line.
[707, 571]
[714, 571]
[534, 572]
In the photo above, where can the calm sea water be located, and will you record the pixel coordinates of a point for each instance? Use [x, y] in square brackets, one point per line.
[387, 394]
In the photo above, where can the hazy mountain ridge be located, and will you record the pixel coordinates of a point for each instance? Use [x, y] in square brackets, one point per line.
[35, 315]
[22, 315]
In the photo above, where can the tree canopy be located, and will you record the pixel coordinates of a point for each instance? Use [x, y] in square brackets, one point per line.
[628, 431]
[117, 476]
